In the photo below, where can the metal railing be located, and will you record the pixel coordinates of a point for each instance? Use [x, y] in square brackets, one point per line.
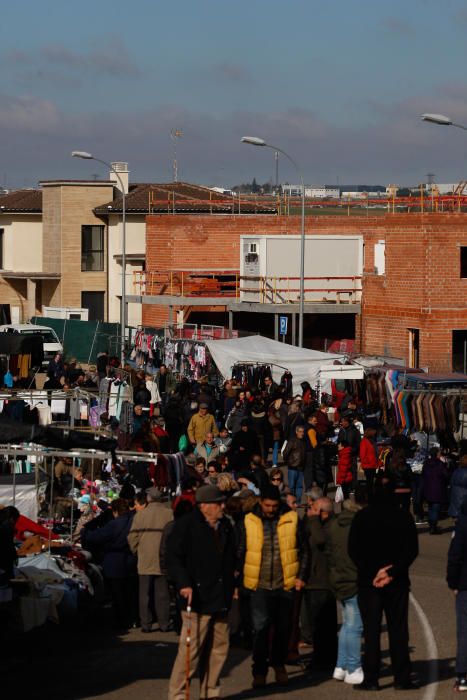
[286, 290]
[184, 283]
[265, 290]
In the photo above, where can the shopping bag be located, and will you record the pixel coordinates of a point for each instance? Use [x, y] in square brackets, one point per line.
[183, 443]
[339, 495]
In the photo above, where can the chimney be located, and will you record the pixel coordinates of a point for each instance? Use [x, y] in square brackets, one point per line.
[122, 170]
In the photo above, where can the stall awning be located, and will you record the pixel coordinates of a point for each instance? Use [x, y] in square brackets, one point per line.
[304, 364]
[341, 372]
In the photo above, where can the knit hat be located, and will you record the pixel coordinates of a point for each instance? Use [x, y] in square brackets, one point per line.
[209, 494]
[203, 405]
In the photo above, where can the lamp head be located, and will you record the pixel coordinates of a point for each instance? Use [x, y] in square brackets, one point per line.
[437, 119]
[82, 154]
[254, 141]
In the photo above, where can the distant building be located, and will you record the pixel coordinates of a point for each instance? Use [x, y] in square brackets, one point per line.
[312, 191]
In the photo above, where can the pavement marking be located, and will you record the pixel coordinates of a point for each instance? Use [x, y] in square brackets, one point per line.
[432, 649]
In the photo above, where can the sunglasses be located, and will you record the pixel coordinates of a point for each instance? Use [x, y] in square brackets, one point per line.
[276, 478]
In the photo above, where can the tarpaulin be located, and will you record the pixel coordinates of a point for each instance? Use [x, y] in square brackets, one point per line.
[304, 364]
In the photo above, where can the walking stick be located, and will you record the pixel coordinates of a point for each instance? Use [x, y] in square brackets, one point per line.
[188, 652]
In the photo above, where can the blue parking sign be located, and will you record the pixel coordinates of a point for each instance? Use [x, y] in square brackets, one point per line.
[283, 325]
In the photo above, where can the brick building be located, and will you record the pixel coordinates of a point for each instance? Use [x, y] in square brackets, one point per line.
[414, 301]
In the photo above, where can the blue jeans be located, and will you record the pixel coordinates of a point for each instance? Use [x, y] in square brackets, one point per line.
[296, 483]
[275, 452]
[350, 636]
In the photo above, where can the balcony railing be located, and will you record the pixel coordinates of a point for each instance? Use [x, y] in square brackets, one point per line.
[183, 283]
[286, 290]
[264, 290]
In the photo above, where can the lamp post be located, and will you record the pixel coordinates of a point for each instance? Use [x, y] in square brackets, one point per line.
[255, 141]
[89, 156]
[441, 120]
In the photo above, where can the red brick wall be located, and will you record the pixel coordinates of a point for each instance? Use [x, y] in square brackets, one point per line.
[421, 287]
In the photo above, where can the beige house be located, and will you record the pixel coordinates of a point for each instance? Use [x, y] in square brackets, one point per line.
[61, 244]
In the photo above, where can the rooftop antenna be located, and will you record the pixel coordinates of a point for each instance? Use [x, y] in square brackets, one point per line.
[174, 135]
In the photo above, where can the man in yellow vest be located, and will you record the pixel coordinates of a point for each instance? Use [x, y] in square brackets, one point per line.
[274, 553]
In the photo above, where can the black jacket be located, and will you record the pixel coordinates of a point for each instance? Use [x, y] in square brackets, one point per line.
[457, 557]
[380, 535]
[352, 436]
[203, 559]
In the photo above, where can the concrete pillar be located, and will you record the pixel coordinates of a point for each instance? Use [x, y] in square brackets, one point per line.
[276, 326]
[294, 329]
[171, 314]
[31, 298]
[230, 320]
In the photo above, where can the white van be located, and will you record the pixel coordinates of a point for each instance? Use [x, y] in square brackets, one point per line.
[52, 344]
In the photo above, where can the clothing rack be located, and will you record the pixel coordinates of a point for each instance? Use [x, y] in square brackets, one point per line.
[259, 364]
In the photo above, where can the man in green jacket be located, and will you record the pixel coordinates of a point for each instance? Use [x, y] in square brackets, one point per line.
[319, 611]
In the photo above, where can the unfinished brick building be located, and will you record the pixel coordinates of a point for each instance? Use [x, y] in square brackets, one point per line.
[414, 286]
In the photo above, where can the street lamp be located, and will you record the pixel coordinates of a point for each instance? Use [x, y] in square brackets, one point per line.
[441, 120]
[255, 141]
[89, 156]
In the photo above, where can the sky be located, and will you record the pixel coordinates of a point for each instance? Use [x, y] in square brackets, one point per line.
[340, 86]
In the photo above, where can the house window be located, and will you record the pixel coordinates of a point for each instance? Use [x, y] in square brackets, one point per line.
[92, 248]
[380, 258]
[464, 262]
[94, 302]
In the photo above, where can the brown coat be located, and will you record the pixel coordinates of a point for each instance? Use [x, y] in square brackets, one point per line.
[200, 425]
[145, 535]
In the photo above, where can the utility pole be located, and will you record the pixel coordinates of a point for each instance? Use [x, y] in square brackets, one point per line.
[174, 135]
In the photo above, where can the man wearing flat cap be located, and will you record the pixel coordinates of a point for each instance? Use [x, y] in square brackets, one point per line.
[145, 541]
[201, 558]
[200, 424]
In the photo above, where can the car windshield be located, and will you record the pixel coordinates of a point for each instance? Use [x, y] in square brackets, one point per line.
[48, 336]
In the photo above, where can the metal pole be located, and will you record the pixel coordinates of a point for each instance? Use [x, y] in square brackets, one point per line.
[123, 302]
[465, 356]
[301, 311]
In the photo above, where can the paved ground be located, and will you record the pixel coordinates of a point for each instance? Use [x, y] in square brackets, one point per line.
[84, 661]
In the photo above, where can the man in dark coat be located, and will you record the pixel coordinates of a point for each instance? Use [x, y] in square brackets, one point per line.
[118, 563]
[244, 445]
[457, 582]
[201, 558]
[383, 544]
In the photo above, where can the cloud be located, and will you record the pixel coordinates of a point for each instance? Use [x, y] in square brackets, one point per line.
[395, 147]
[28, 115]
[233, 72]
[57, 63]
[395, 25]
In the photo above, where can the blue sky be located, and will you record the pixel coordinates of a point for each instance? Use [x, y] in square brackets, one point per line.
[339, 85]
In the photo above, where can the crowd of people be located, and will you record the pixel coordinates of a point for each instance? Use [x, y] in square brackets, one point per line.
[245, 543]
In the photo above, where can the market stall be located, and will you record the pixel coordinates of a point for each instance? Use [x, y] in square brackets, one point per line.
[305, 365]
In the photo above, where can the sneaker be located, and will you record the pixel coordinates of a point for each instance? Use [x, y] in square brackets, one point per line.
[282, 677]
[354, 678]
[461, 684]
[259, 681]
[419, 521]
[339, 674]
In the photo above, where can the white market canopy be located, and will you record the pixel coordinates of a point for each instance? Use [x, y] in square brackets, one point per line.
[304, 364]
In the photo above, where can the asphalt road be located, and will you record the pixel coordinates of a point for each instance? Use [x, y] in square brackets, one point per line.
[84, 660]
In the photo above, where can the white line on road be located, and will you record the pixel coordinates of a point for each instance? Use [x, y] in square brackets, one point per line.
[432, 649]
